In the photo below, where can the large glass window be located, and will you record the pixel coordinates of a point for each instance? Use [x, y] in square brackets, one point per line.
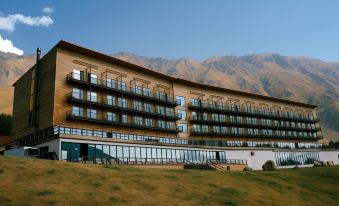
[122, 86]
[111, 100]
[77, 74]
[146, 91]
[161, 110]
[138, 120]
[170, 125]
[161, 124]
[147, 107]
[148, 122]
[137, 105]
[124, 118]
[122, 102]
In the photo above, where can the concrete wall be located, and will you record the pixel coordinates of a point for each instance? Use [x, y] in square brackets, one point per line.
[329, 156]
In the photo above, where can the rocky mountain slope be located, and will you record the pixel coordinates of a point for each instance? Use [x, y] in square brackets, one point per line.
[301, 79]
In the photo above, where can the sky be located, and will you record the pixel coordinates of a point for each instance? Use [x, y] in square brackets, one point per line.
[193, 29]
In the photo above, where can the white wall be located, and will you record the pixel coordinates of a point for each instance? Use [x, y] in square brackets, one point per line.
[254, 161]
[53, 146]
[329, 156]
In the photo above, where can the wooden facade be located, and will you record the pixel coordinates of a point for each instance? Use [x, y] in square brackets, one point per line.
[56, 86]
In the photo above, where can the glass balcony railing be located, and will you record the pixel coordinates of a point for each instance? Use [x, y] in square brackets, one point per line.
[128, 106]
[123, 88]
[101, 117]
[239, 110]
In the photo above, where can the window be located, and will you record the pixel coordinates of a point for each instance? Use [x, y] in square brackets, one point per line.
[122, 102]
[234, 130]
[232, 118]
[92, 96]
[124, 118]
[77, 74]
[111, 100]
[148, 122]
[138, 120]
[222, 118]
[196, 102]
[239, 119]
[182, 114]
[92, 113]
[204, 128]
[183, 127]
[111, 116]
[78, 93]
[77, 111]
[196, 128]
[180, 100]
[122, 86]
[215, 117]
[161, 110]
[223, 129]
[160, 95]
[204, 116]
[161, 124]
[146, 91]
[241, 131]
[137, 105]
[216, 129]
[110, 83]
[169, 111]
[147, 107]
[93, 78]
[170, 125]
[137, 89]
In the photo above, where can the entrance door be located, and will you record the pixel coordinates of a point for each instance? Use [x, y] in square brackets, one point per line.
[217, 155]
[296, 145]
[84, 152]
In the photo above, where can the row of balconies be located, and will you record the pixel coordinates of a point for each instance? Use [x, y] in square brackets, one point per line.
[227, 122]
[122, 106]
[100, 117]
[239, 110]
[246, 134]
[101, 84]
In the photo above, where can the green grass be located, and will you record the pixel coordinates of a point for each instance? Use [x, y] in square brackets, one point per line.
[41, 182]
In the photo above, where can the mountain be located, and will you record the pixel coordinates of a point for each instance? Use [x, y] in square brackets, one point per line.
[12, 67]
[295, 78]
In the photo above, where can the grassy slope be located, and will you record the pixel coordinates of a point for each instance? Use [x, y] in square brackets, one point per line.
[39, 182]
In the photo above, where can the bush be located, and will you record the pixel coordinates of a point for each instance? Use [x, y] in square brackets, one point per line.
[248, 169]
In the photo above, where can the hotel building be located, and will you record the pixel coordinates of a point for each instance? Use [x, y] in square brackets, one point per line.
[82, 104]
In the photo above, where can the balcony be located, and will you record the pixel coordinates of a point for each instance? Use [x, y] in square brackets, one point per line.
[210, 121]
[121, 89]
[100, 102]
[102, 119]
[224, 109]
[248, 135]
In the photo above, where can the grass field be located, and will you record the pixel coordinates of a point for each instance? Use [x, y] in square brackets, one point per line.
[42, 182]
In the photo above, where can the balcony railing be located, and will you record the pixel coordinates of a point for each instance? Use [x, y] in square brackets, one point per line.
[167, 98]
[99, 117]
[201, 106]
[226, 122]
[228, 133]
[121, 106]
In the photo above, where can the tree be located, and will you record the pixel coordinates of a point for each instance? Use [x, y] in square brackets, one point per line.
[5, 124]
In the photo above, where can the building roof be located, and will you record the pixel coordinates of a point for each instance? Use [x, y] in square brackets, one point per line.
[107, 58]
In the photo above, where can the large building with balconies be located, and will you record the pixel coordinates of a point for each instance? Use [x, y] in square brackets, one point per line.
[85, 105]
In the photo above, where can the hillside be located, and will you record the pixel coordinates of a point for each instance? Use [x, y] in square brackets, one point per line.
[11, 68]
[300, 79]
[41, 182]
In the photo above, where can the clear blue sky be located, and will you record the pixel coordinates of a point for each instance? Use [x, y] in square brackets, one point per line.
[174, 29]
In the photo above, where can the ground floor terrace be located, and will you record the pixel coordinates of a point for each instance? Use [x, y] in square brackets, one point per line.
[77, 149]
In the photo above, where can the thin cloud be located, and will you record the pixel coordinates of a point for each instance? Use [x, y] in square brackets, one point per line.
[48, 10]
[7, 46]
[8, 23]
